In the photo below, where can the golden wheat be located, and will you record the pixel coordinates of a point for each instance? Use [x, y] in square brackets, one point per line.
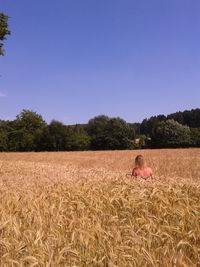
[79, 209]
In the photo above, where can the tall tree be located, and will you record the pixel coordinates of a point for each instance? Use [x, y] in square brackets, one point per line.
[96, 130]
[147, 126]
[6, 127]
[57, 136]
[171, 134]
[78, 139]
[110, 133]
[4, 31]
[27, 131]
[190, 118]
[119, 134]
[3, 136]
[195, 137]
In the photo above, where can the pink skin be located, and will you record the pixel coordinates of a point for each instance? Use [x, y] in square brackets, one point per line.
[144, 172]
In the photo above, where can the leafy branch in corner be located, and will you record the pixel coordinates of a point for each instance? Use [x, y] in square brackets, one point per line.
[4, 31]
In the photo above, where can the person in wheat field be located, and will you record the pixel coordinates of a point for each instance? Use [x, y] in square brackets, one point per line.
[141, 170]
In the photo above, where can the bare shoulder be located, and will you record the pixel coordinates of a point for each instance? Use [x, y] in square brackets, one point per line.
[136, 169]
[134, 172]
[149, 169]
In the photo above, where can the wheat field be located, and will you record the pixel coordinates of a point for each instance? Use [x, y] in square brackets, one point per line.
[82, 209]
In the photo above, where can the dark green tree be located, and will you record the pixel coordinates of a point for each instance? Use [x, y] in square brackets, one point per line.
[171, 134]
[3, 141]
[27, 131]
[5, 128]
[78, 139]
[147, 126]
[3, 136]
[4, 31]
[57, 136]
[190, 118]
[119, 135]
[96, 129]
[78, 142]
[136, 127]
[195, 137]
[110, 133]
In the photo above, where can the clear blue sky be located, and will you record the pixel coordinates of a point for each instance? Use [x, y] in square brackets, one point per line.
[74, 59]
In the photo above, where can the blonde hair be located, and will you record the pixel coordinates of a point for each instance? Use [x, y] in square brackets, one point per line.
[140, 161]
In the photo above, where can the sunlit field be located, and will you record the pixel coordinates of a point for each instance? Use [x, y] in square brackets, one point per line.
[83, 209]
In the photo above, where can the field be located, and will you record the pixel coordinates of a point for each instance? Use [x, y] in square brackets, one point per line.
[81, 209]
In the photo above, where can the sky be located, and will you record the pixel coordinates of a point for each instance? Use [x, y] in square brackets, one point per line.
[72, 60]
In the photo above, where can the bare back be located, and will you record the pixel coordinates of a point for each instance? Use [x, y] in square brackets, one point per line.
[144, 172]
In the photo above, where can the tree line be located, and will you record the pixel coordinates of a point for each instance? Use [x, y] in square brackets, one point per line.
[179, 129]
[30, 132]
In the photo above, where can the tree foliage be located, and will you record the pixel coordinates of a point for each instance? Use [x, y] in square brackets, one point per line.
[29, 132]
[190, 118]
[4, 131]
[171, 134]
[195, 137]
[110, 133]
[4, 31]
[147, 126]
